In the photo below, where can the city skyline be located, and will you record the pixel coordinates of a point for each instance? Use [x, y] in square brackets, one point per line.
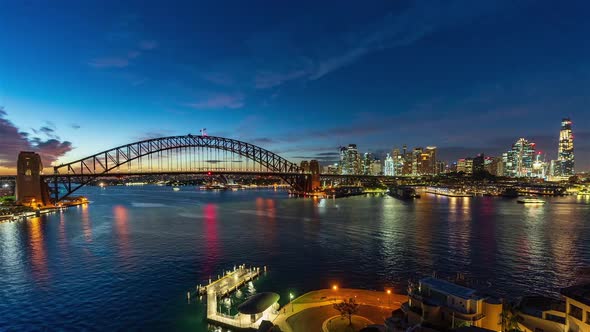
[304, 89]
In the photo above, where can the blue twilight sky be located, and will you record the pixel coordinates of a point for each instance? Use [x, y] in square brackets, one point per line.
[299, 78]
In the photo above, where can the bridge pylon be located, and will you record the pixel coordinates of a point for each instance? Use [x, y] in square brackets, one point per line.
[30, 188]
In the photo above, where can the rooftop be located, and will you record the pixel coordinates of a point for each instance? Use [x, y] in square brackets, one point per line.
[541, 303]
[449, 288]
[580, 293]
[258, 303]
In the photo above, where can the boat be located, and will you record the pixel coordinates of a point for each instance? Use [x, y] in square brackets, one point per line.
[530, 201]
[176, 189]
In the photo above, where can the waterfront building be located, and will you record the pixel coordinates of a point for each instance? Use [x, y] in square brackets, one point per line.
[260, 307]
[389, 166]
[465, 165]
[577, 306]
[541, 314]
[427, 163]
[518, 161]
[478, 163]
[350, 161]
[447, 305]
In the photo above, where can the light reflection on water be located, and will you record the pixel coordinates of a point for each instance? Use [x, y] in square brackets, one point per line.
[134, 252]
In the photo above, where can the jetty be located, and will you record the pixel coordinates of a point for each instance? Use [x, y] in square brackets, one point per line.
[228, 283]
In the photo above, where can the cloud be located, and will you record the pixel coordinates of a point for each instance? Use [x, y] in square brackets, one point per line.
[50, 132]
[123, 59]
[262, 140]
[109, 62]
[148, 45]
[12, 141]
[219, 101]
[219, 78]
[280, 56]
[268, 79]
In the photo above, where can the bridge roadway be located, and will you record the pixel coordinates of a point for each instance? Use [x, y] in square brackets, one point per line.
[214, 172]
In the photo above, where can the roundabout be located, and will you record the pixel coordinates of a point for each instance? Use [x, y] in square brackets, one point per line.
[340, 324]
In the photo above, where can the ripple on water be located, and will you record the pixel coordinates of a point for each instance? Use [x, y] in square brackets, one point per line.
[129, 267]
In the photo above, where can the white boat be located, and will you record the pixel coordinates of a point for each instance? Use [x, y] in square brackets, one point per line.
[530, 201]
[176, 189]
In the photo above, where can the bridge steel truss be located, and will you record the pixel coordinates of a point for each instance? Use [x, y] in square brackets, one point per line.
[74, 175]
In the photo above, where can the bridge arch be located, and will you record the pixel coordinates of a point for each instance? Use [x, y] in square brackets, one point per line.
[76, 174]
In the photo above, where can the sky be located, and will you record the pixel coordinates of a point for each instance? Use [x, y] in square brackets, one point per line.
[299, 78]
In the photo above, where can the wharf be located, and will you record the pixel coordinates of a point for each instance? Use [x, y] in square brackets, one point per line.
[224, 286]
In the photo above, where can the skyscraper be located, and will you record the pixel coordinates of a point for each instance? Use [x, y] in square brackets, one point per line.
[350, 162]
[367, 162]
[389, 166]
[565, 155]
[518, 162]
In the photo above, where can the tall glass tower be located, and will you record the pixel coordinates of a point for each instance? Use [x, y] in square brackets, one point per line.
[565, 155]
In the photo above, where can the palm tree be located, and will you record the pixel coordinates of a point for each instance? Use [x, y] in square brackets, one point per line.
[510, 318]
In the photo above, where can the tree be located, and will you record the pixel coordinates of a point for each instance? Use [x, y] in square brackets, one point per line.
[510, 318]
[347, 308]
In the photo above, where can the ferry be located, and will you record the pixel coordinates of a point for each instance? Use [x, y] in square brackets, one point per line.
[530, 201]
[176, 189]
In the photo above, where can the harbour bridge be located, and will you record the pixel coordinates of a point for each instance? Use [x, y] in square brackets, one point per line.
[189, 154]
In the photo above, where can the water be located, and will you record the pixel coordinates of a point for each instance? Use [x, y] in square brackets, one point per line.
[126, 260]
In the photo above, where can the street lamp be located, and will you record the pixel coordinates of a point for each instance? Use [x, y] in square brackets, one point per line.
[335, 287]
[291, 297]
[389, 297]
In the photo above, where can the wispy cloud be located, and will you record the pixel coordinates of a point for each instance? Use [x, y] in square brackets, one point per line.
[288, 60]
[109, 62]
[124, 40]
[147, 45]
[219, 101]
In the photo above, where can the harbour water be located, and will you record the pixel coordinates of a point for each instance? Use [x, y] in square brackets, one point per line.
[126, 260]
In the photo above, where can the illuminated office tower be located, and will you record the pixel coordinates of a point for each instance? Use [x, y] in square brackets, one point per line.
[565, 155]
[350, 161]
[518, 162]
